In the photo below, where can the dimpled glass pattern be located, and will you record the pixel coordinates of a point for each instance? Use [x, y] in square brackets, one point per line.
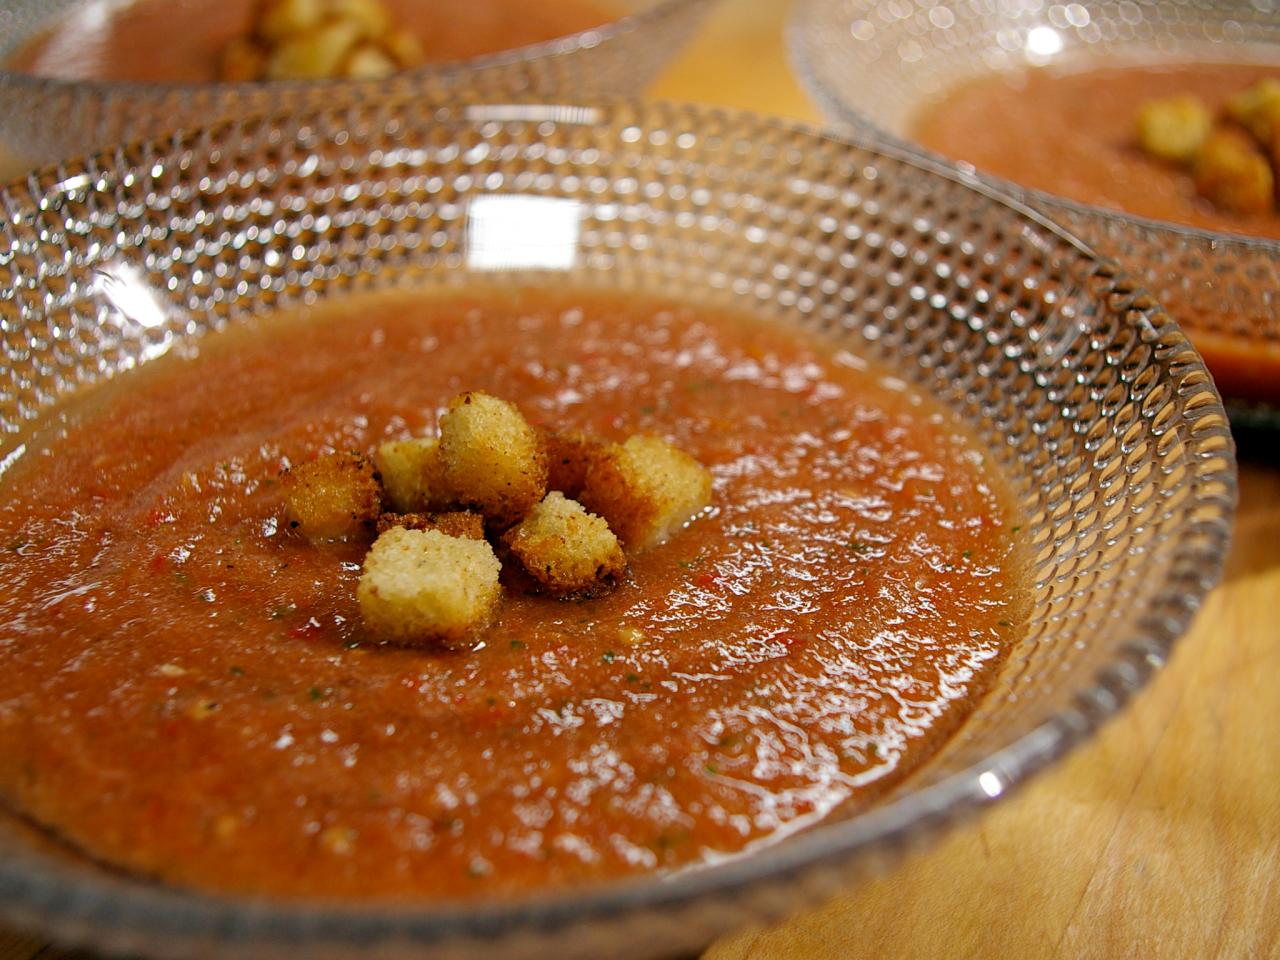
[870, 64]
[617, 59]
[1080, 387]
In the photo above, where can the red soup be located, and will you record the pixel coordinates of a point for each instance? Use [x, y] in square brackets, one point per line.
[187, 692]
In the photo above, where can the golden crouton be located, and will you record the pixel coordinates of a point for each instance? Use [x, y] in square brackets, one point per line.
[455, 523]
[493, 460]
[413, 474]
[368, 62]
[567, 550]
[241, 60]
[646, 489]
[318, 52]
[1258, 110]
[280, 19]
[299, 39]
[1233, 173]
[421, 586]
[1173, 128]
[405, 48]
[334, 497]
[568, 457]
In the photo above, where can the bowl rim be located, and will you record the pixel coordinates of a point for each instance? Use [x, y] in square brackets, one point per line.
[553, 48]
[803, 22]
[61, 902]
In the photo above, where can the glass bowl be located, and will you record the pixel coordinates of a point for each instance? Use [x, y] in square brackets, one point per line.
[43, 119]
[1081, 388]
[871, 65]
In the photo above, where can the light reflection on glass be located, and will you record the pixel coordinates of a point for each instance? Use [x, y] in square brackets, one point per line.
[514, 232]
[125, 288]
[1043, 42]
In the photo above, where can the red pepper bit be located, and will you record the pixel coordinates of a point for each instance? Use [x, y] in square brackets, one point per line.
[707, 580]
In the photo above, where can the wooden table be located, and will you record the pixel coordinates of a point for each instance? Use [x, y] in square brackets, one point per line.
[1160, 839]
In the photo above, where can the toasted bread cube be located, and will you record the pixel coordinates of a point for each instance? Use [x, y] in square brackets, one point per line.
[493, 460]
[319, 52]
[453, 523]
[569, 455]
[371, 15]
[1258, 109]
[278, 20]
[568, 551]
[646, 489]
[413, 474]
[368, 62]
[334, 497]
[405, 48]
[422, 586]
[1174, 128]
[242, 60]
[1233, 173]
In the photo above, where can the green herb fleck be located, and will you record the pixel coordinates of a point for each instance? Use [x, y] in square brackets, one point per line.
[608, 656]
[967, 554]
[316, 693]
[1003, 623]
[517, 644]
[632, 678]
[712, 769]
[236, 671]
[490, 701]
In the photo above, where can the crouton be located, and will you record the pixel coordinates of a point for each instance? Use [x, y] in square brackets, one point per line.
[1233, 173]
[241, 60]
[646, 489]
[455, 523]
[295, 39]
[334, 497]
[1258, 110]
[422, 586]
[568, 457]
[568, 551]
[1173, 128]
[413, 474]
[493, 460]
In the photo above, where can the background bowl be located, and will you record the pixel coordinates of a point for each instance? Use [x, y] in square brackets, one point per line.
[1084, 392]
[870, 65]
[43, 119]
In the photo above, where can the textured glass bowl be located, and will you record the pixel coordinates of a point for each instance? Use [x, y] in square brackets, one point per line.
[43, 119]
[1084, 392]
[871, 64]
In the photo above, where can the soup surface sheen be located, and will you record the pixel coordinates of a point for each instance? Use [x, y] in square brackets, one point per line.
[136, 41]
[186, 690]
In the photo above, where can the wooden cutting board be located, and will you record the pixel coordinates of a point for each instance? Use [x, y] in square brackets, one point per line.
[1161, 839]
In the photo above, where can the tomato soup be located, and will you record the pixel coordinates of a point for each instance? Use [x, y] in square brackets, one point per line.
[136, 41]
[187, 692]
[1072, 132]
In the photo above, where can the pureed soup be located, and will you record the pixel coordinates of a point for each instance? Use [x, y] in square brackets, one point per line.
[136, 41]
[1071, 131]
[187, 691]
